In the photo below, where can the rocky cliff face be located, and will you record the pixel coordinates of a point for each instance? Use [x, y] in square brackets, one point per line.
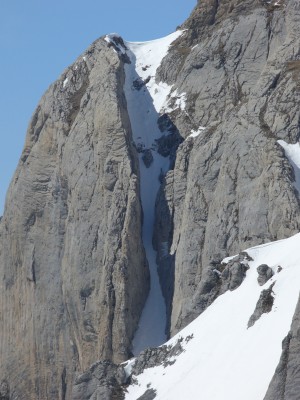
[231, 185]
[74, 277]
[74, 273]
[285, 384]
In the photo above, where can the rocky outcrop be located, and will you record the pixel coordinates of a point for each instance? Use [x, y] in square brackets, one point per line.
[231, 185]
[74, 277]
[160, 356]
[102, 381]
[216, 280]
[107, 381]
[263, 305]
[285, 384]
[264, 274]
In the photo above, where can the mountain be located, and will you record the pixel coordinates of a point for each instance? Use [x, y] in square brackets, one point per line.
[146, 165]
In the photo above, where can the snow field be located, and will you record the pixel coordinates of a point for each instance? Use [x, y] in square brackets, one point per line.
[225, 360]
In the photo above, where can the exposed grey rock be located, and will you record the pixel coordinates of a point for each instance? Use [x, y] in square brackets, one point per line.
[263, 305]
[231, 187]
[107, 381]
[235, 272]
[167, 145]
[103, 381]
[4, 390]
[72, 264]
[165, 124]
[264, 274]
[277, 385]
[147, 157]
[154, 357]
[139, 83]
[285, 384]
[216, 280]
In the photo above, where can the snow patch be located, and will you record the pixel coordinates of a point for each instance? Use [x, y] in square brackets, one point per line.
[195, 133]
[128, 365]
[65, 82]
[147, 57]
[161, 93]
[177, 100]
[292, 152]
[181, 101]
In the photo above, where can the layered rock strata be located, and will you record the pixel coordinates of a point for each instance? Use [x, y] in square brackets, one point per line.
[74, 277]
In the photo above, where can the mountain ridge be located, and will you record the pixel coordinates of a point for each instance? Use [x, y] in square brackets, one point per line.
[72, 258]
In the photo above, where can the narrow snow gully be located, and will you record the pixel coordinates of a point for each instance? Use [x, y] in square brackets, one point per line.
[145, 100]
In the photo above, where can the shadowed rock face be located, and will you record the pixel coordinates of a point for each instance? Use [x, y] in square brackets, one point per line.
[73, 272]
[231, 185]
[285, 384]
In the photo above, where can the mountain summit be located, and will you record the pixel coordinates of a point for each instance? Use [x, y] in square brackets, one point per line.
[157, 199]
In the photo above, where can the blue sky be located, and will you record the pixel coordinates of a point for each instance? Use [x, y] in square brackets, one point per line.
[39, 39]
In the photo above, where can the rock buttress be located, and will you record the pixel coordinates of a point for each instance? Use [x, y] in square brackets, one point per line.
[73, 273]
[232, 186]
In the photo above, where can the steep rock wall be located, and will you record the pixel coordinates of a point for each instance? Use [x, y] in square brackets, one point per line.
[74, 277]
[285, 384]
[238, 65]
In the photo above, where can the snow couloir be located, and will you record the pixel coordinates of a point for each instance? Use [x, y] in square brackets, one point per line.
[146, 101]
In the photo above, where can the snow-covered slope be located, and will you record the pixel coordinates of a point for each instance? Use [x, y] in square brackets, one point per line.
[223, 359]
